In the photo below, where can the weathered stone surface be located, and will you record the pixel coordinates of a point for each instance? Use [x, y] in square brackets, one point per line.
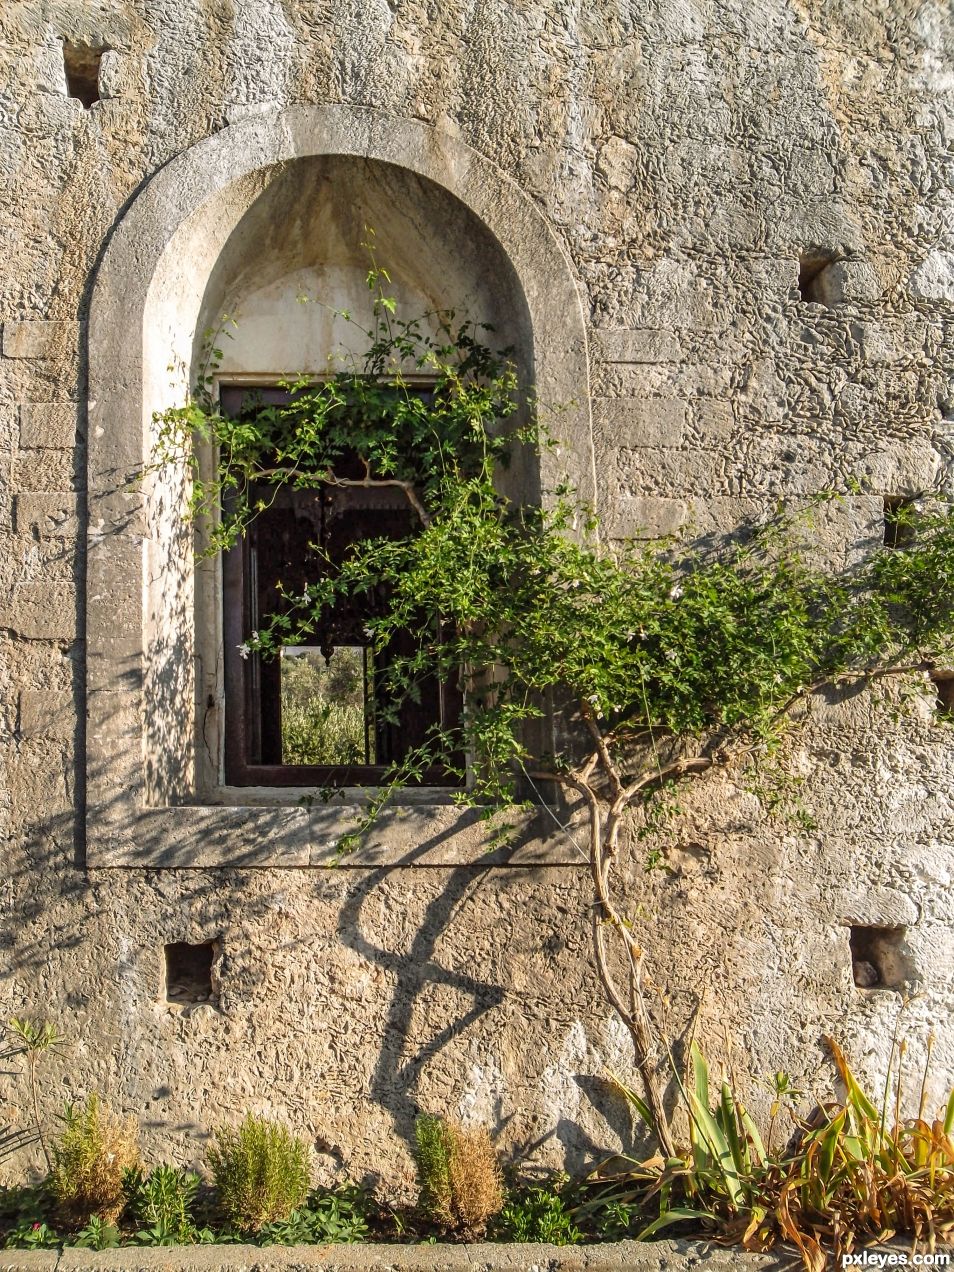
[46, 513]
[934, 277]
[644, 345]
[47, 713]
[47, 425]
[848, 281]
[638, 183]
[36, 337]
[648, 517]
[654, 421]
[46, 611]
[624, 1256]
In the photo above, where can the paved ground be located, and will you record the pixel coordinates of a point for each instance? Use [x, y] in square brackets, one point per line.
[661, 1256]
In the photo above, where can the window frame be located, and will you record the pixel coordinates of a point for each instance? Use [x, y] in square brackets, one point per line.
[242, 708]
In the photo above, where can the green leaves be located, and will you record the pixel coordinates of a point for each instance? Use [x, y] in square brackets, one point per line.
[430, 400]
[686, 648]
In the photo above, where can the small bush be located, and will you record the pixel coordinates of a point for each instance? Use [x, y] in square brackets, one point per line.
[536, 1212]
[162, 1203]
[90, 1158]
[331, 1216]
[459, 1177]
[431, 1136]
[261, 1172]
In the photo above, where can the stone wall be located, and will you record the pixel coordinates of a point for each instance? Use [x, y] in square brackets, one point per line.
[756, 203]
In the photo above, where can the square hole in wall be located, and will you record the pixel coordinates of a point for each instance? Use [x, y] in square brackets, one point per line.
[81, 63]
[878, 959]
[811, 265]
[187, 972]
[943, 682]
[898, 521]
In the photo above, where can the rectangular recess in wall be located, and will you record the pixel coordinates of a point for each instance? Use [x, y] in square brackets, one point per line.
[898, 521]
[943, 682]
[187, 972]
[878, 957]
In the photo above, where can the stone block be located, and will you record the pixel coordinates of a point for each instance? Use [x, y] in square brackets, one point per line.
[934, 277]
[714, 419]
[848, 281]
[641, 421]
[41, 611]
[48, 70]
[48, 425]
[48, 513]
[114, 74]
[47, 713]
[901, 468]
[645, 517]
[30, 1261]
[877, 907]
[645, 344]
[37, 337]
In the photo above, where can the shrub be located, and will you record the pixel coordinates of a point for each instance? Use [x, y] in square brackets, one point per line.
[433, 1169]
[458, 1174]
[331, 1216]
[261, 1172]
[162, 1203]
[537, 1212]
[89, 1161]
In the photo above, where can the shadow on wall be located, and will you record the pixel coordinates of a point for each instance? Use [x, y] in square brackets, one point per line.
[84, 956]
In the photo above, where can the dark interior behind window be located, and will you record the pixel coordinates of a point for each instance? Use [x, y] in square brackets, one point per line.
[319, 714]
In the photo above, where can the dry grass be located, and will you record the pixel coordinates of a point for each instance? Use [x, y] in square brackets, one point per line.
[476, 1187]
[460, 1182]
[89, 1159]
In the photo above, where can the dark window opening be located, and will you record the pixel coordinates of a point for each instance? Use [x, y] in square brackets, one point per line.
[811, 266]
[943, 682]
[878, 960]
[898, 521]
[81, 62]
[188, 972]
[319, 714]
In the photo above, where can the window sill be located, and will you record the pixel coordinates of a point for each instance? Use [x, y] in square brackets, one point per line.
[305, 796]
[425, 829]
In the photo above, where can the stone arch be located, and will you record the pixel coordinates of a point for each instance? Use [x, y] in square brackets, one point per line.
[152, 282]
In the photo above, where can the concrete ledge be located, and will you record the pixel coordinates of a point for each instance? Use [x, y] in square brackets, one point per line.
[623, 1256]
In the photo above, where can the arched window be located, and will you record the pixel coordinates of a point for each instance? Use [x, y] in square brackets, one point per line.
[249, 220]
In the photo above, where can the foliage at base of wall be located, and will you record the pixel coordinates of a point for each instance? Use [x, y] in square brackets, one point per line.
[824, 1182]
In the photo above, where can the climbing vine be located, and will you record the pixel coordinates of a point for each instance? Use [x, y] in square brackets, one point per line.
[664, 663]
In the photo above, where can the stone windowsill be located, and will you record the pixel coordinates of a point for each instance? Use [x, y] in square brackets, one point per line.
[420, 831]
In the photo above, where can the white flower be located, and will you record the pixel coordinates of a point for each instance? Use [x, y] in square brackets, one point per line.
[243, 650]
[675, 592]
